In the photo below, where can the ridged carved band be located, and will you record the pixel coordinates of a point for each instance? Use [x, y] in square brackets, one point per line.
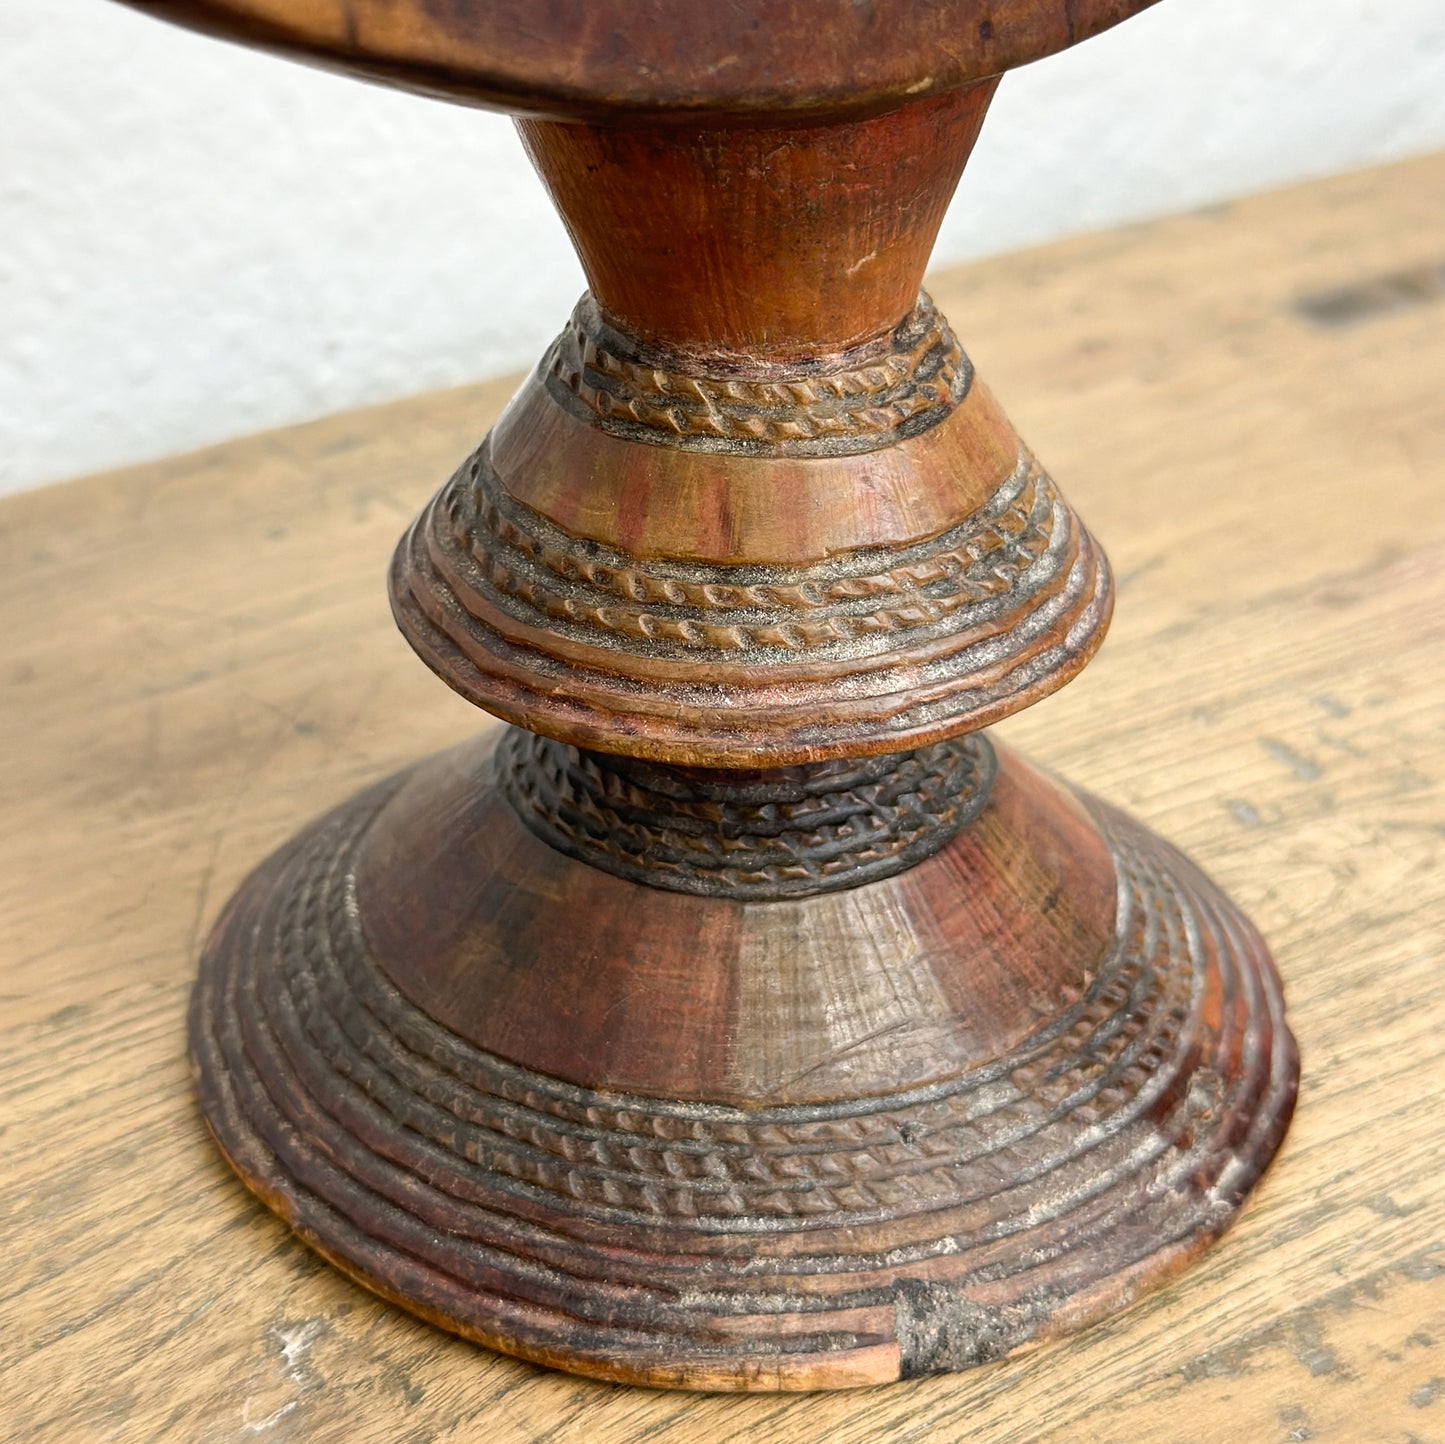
[719, 664]
[780, 833]
[863, 400]
[855, 605]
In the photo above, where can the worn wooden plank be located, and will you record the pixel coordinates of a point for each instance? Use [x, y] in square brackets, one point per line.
[196, 657]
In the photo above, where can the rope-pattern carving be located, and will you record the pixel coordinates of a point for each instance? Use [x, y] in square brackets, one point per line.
[867, 651]
[859, 403]
[786, 832]
[880, 599]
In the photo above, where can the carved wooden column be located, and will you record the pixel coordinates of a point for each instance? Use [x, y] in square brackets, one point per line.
[742, 1016]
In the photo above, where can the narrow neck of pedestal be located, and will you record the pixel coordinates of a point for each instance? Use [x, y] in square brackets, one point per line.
[759, 244]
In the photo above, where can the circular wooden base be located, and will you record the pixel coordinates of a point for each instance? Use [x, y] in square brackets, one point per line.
[1086, 1040]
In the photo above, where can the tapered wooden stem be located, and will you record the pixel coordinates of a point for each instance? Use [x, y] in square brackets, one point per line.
[758, 244]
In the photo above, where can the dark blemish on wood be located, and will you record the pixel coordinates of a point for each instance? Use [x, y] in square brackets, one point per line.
[1421, 1340]
[1246, 814]
[344, 446]
[1350, 749]
[1303, 767]
[302, 1260]
[1306, 1222]
[1427, 1393]
[940, 1331]
[1219, 1364]
[1424, 1268]
[348, 17]
[68, 1014]
[1411, 779]
[1124, 580]
[1385, 1206]
[1313, 1352]
[1379, 296]
[1331, 706]
[1302, 1333]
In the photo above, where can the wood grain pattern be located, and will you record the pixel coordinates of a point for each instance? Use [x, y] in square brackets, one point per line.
[755, 305]
[1271, 699]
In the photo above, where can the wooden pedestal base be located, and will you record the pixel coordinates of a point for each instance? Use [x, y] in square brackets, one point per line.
[747, 1020]
[665, 1131]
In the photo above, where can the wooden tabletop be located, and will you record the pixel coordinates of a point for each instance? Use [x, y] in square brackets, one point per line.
[1248, 405]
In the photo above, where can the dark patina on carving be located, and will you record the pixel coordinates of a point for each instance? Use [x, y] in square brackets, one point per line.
[766, 834]
[861, 400]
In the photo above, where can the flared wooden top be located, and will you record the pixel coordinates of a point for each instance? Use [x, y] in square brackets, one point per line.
[590, 58]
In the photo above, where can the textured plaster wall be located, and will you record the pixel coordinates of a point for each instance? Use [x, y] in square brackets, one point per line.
[197, 242]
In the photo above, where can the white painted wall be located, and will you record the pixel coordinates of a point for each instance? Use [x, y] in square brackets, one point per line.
[196, 241]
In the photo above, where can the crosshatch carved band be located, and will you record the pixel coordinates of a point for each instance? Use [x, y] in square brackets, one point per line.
[784, 832]
[859, 402]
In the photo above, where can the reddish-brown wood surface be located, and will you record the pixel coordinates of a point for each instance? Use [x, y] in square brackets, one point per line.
[590, 57]
[710, 1141]
[754, 508]
[815, 1044]
[562, 962]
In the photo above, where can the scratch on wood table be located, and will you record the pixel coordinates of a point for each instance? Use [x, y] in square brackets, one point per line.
[1264, 379]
